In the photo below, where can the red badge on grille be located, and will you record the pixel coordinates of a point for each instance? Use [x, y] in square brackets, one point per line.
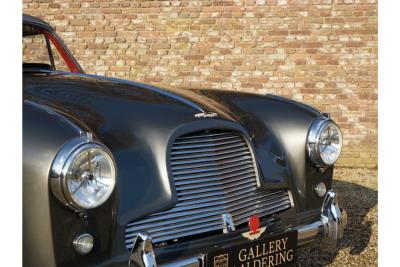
[254, 224]
[255, 230]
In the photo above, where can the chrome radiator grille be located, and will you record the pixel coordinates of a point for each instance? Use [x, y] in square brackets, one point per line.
[214, 173]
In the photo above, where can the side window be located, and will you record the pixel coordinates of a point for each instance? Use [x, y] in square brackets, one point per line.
[35, 50]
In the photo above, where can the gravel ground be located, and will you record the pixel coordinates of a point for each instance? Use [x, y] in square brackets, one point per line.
[358, 194]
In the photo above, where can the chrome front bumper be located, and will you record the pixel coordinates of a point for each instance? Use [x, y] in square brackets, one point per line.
[328, 229]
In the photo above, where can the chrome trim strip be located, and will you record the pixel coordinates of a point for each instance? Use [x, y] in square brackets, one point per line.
[216, 158]
[212, 164]
[223, 152]
[206, 115]
[201, 136]
[232, 140]
[228, 165]
[211, 139]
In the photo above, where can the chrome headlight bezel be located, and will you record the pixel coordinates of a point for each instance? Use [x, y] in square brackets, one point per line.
[313, 141]
[62, 162]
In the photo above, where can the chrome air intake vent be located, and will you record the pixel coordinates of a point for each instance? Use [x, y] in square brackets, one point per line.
[214, 173]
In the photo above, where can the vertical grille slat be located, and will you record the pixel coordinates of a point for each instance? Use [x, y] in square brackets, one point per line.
[214, 173]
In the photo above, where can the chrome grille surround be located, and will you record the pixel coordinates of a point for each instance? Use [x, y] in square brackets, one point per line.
[214, 173]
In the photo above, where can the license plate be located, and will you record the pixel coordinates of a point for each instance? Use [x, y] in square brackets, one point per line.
[279, 250]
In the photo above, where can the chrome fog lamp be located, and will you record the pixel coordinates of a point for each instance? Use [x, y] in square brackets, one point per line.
[83, 174]
[324, 142]
[320, 189]
[83, 244]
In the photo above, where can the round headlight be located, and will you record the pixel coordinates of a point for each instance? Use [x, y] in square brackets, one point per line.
[324, 142]
[83, 174]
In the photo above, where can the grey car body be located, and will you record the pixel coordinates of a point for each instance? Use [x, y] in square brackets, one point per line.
[139, 124]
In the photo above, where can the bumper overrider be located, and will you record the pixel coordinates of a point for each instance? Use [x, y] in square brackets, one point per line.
[328, 230]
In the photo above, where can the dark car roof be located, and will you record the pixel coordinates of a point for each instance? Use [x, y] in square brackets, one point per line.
[35, 21]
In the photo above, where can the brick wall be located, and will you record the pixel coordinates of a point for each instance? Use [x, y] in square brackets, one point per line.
[321, 52]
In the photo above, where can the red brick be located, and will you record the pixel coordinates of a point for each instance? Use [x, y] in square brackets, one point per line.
[194, 57]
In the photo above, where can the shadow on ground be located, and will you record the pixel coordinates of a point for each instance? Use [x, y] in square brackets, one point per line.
[358, 201]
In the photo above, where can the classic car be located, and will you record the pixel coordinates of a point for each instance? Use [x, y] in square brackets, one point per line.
[120, 173]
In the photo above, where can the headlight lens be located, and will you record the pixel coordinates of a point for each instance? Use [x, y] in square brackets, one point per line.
[90, 176]
[324, 142]
[330, 144]
[83, 174]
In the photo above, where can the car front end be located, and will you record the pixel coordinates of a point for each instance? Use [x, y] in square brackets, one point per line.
[118, 173]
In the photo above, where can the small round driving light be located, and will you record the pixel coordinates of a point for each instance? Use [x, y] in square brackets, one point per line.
[83, 244]
[320, 189]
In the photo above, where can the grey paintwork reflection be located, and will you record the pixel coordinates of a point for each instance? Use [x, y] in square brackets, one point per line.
[43, 134]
